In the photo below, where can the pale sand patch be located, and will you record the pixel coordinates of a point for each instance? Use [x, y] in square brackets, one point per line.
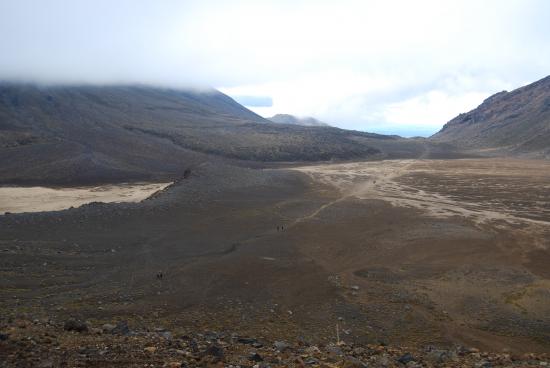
[38, 199]
[378, 180]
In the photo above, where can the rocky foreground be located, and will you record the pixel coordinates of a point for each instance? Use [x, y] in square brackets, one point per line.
[73, 343]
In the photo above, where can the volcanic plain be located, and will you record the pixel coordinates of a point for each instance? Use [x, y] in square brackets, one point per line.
[406, 252]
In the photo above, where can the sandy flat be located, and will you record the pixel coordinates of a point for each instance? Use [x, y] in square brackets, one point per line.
[38, 199]
[392, 181]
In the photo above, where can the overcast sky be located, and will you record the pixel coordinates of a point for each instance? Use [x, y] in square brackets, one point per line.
[402, 67]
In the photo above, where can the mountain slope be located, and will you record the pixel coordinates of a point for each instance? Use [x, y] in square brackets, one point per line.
[82, 134]
[515, 122]
[291, 119]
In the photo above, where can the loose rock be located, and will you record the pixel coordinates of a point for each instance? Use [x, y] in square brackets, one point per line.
[215, 352]
[121, 329]
[75, 325]
[281, 346]
[255, 357]
[150, 349]
[406, 358]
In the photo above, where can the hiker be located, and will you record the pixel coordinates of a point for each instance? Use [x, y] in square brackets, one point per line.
[160, 275]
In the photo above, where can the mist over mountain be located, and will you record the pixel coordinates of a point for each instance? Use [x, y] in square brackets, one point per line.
[116, 133]
[294, 120]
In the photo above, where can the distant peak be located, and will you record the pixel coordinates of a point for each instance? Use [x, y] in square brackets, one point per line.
[294, 120]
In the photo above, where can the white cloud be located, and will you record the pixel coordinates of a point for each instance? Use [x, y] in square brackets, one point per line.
[369, 65]
[430, 109]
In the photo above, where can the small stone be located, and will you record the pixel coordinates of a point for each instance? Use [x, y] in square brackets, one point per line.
[108, 328]
[215, 351]
[312, 350]
[213, 336]
[173, 365]
[383, 361]
[439, 356]
[406, 358]
[150, 349]
[334, 350]
[352, 362]
[121, 329]
[483, 364]
[46, 363]
[281, 346]
[75, 325]
[255, 357]
[246, 340]
[166, 335]
[359, 351]
[311, 361]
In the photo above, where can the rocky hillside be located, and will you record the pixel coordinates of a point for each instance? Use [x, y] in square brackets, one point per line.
[82, 134]
[294, 120]
[516, 122]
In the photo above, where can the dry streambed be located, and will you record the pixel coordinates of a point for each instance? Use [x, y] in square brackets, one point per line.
[38, 199]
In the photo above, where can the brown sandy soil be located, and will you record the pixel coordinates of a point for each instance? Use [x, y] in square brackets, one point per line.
[464, 244]
[428, 254]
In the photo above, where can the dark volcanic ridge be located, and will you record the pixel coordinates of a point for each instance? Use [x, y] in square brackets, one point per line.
[93, 134]
[516, 122]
